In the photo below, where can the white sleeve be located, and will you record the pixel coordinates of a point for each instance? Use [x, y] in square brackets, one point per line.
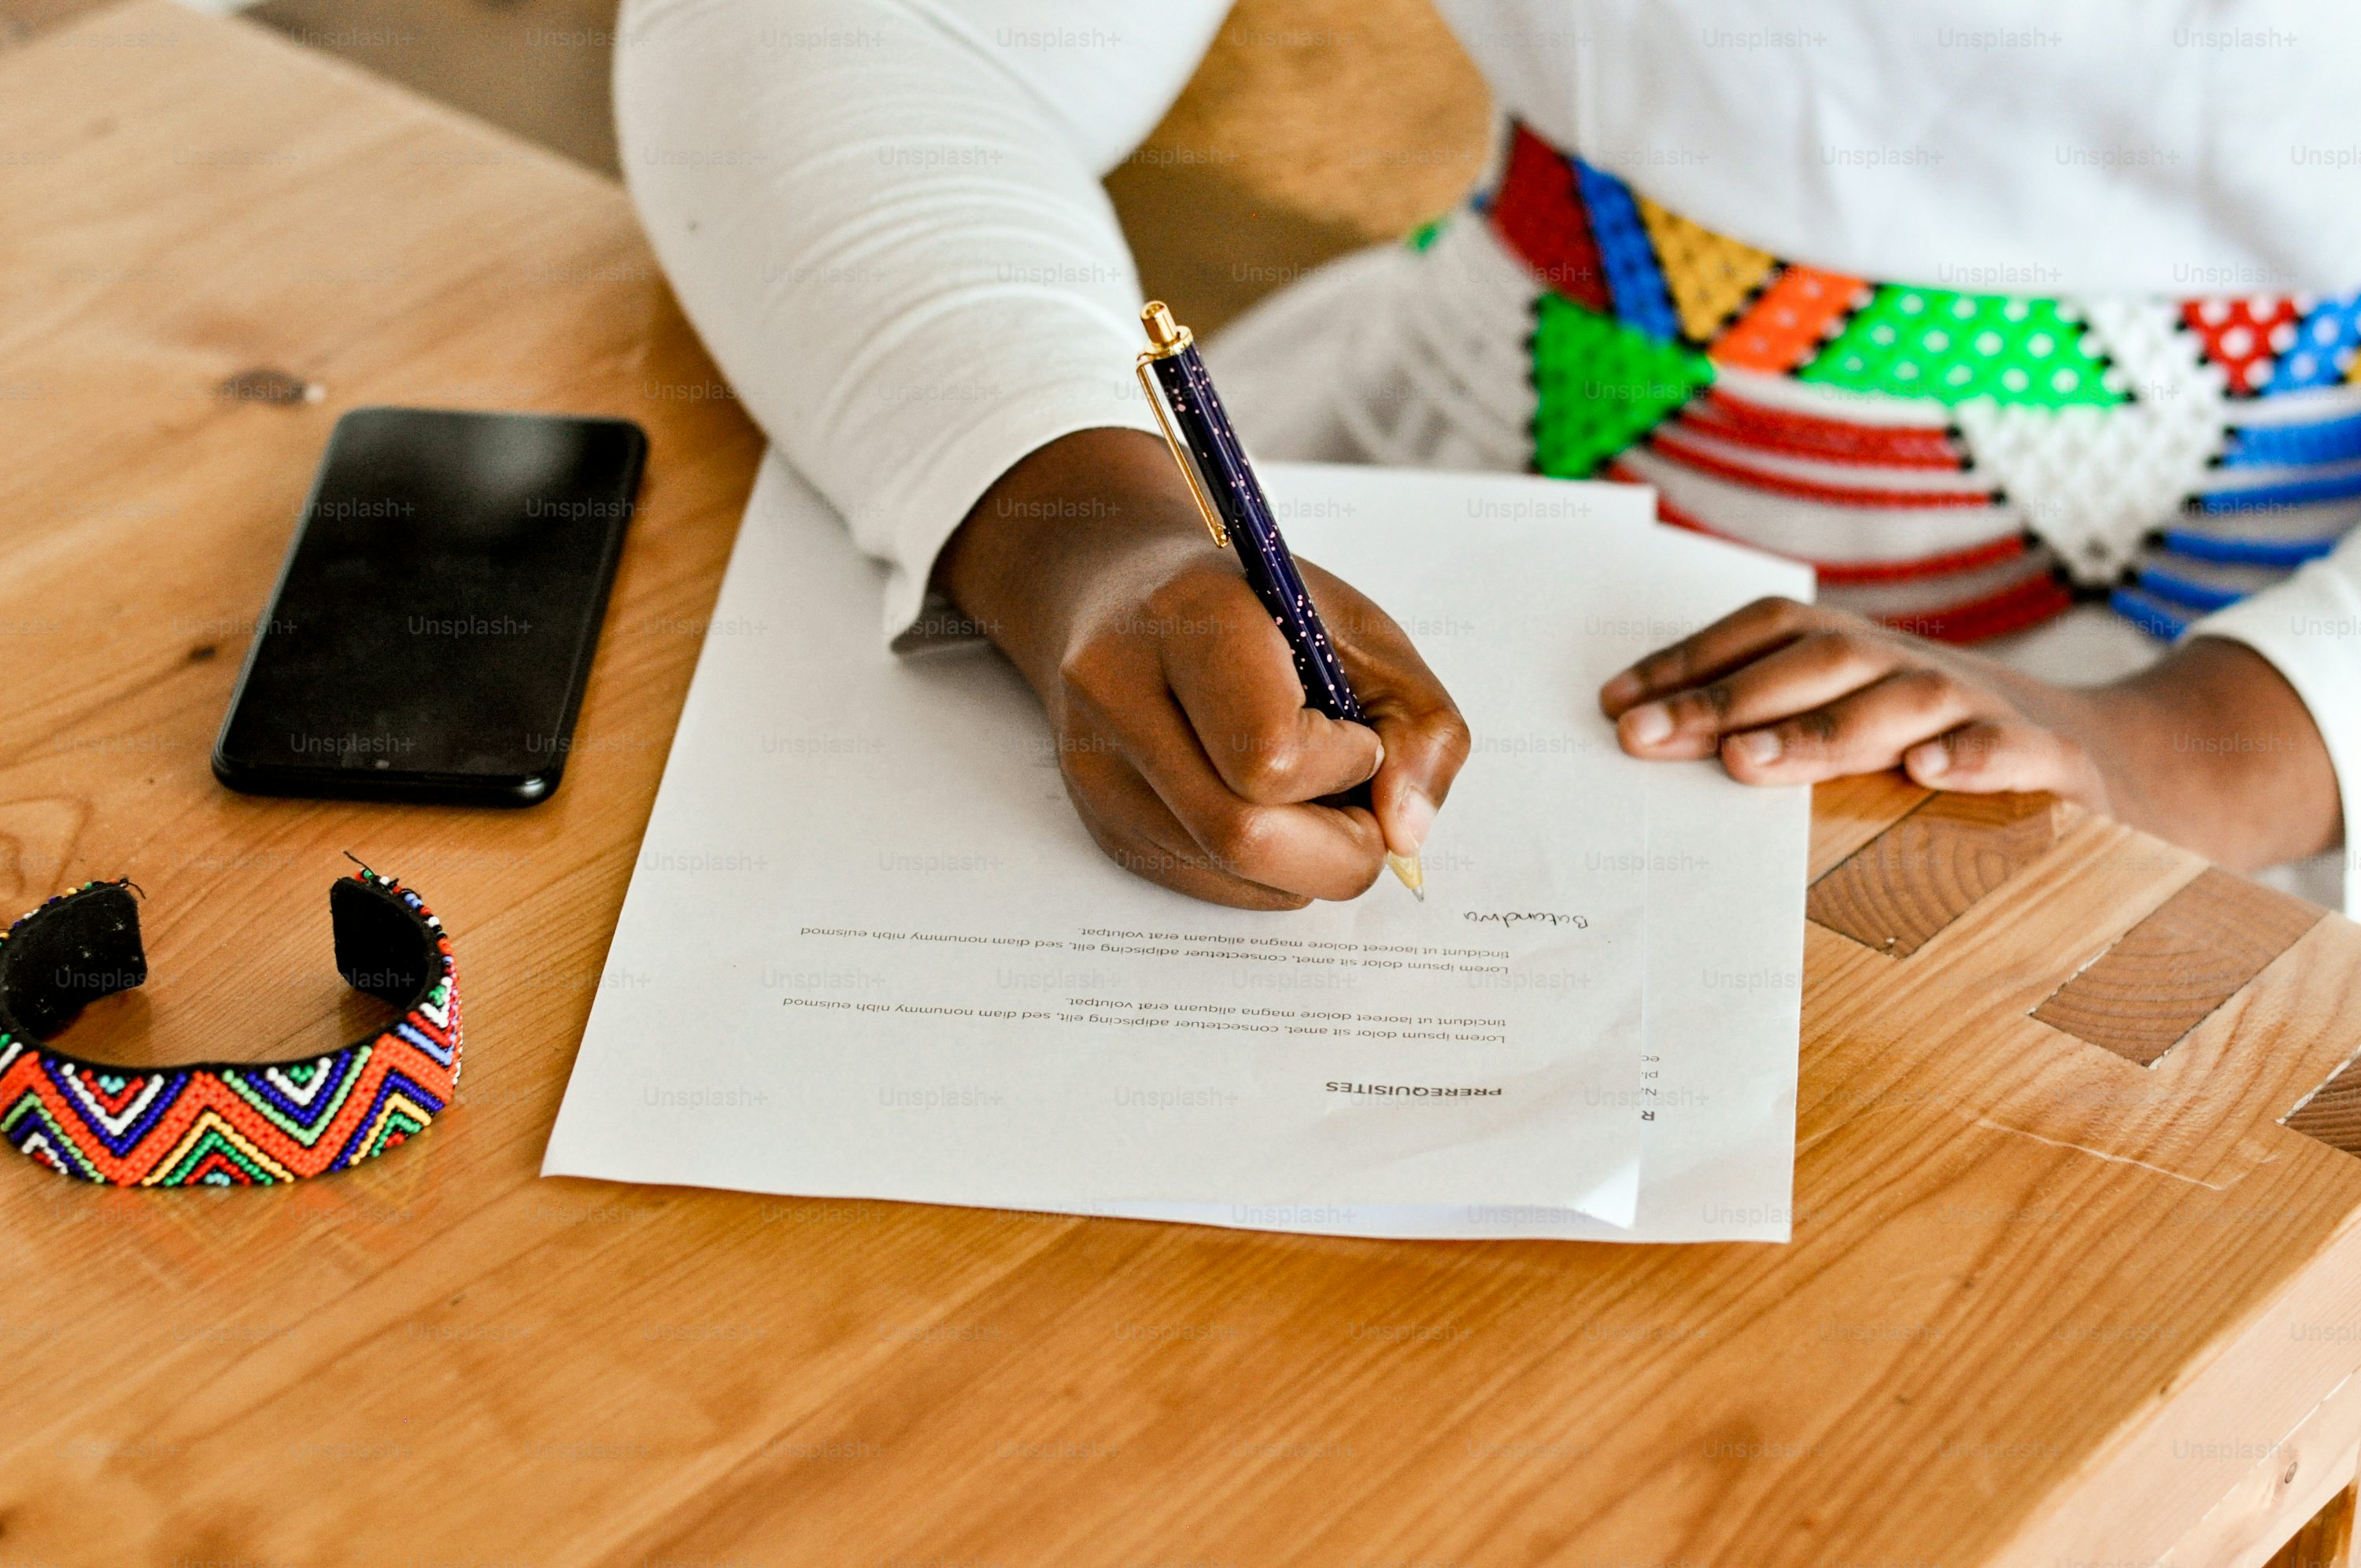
[884, 219]
[2310, 627]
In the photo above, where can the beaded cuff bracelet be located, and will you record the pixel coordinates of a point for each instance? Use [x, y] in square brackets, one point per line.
[223, 1123]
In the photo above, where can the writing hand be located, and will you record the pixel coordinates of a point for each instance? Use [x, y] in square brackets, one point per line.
[1179, 719]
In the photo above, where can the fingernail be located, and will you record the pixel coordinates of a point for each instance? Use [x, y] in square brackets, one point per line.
[1757, 746]
[1417, 815]
[1624, 688]
[1930, 760]
[1649, 723]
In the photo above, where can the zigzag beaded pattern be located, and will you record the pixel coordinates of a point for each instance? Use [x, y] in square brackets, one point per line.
[224, 1124]
[1957, 463]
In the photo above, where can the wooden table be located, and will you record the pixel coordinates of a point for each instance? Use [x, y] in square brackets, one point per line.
[2063, 1288]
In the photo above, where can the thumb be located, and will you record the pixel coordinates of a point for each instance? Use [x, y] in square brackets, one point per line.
[1426, 743]
[2000, 757]
[1423, 756]
[1425, 740]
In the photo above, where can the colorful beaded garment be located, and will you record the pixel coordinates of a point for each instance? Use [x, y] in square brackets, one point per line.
[223, 1123]
[1962, 463]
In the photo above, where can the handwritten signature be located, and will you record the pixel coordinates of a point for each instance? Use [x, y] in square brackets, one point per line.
[1509, 917]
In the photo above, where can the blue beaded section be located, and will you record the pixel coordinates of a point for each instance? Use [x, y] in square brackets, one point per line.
[2293, 493]
[1633, 279]
[2188, 591]
[2197, 583]
[2294, 446]
[2150, 614]
[2235, 552]
[2323, 350]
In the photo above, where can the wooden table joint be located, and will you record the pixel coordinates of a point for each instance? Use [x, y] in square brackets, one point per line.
[1938, 860]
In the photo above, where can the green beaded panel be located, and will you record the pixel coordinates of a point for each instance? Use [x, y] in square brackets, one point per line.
[1602, 386]
[211, 1144]
[1933, 343]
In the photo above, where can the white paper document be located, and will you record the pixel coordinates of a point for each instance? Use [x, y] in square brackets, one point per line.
[869, 952]
[1725, 867]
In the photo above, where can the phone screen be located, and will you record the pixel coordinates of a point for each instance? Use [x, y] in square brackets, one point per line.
[433, 625]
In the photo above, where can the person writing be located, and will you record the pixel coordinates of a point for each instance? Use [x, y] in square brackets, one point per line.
[2026, 330]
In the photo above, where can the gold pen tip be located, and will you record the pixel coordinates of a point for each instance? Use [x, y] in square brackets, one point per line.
[1413, 875]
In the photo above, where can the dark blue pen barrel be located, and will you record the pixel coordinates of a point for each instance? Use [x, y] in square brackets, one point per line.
[1237, 496]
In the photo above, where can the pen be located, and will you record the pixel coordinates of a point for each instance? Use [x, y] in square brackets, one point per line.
[1238, 515]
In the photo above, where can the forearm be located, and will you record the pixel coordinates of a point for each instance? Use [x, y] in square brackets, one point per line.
[886, 221]
[2212, 749]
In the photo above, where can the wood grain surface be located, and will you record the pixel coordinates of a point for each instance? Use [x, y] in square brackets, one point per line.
[2199, 950]
[2326, 1541]
[1918, 876]
[1311, 128]
[2333, 1113]
[2043, 1305]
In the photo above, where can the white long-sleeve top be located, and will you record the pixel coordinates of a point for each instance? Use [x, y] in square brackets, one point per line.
[886, 220]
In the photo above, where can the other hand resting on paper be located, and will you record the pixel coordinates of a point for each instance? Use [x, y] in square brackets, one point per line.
[2209, 747]
[1181, 726]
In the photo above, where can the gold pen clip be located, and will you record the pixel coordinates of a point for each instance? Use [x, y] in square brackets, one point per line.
[1167, 337]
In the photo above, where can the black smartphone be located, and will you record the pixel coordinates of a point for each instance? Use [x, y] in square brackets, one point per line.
[431, 629]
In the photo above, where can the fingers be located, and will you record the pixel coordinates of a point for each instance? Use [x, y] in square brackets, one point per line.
[1425, 740]
[1317, 851]
[1862, 732]
[1736, 639]
[1136, 832]
[1204, 770]
[1236, 682]
[1794, 678]
[1786, 694]
[1992, 757]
